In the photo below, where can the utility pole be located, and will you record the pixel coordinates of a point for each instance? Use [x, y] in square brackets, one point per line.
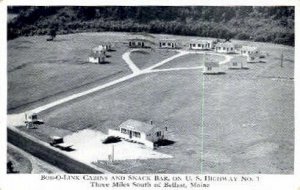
[281, 60]
[113, 153]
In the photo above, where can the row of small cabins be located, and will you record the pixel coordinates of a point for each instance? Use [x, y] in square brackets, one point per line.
[98, 54]
[220, 47]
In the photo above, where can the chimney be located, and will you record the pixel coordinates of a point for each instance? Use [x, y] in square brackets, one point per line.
[151, 122]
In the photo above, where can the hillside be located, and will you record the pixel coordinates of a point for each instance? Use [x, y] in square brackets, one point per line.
[263, 24]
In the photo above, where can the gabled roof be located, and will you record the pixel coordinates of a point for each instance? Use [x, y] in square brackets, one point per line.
[211, 64]
[249, 48]
[99, 48]
[97, 54]
[135, 125]
[141, 40]
[167, 40]
[98, 51]
[201, 41]
[225, 44]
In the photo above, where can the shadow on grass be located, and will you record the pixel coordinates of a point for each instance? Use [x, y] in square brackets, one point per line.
[219, 73]
[111, 139]
[164, 142]
[111, 50]
[241, 68]
[69, 149]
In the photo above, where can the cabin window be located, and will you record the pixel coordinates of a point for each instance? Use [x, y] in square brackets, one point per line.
[234, 63]
[136, 134]
[231, 49]
[209, 68]
[123, 131]
[224, 48]
[34, 117]
[194, 45]
[164, 44]
[169, 44]
[158, 133]
[199, 45]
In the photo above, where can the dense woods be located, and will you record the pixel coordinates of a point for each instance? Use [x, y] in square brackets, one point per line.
[264, 24]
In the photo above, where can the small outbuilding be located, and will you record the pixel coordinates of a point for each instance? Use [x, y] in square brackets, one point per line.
[225, 47]
[254, 58]
[213, 68]
[98, 54]
[201, 44]
[138, 43]
[107, 47]
[237, 65]
[248, 50]
[140, 132]
[168, 44]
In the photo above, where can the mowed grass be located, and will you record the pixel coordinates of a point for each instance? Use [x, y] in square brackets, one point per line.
[41, 71]
[147, 57]
[156, 97]
[249, 118]
[21, 164]
[191, 60]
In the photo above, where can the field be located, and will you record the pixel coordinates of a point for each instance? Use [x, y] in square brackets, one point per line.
[44, 71]
[248, 115]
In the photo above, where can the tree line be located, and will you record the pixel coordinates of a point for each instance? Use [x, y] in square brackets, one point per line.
[265, 24]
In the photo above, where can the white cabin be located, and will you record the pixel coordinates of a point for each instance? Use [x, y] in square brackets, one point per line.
[248, 50]
[140, 132]
[225, 47]
[201, 45]
[168, 44]
[98, 54]
[138, 43]
[237, 65]
[213, 68]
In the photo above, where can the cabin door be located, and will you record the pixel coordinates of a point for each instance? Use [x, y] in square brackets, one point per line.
[130, 134]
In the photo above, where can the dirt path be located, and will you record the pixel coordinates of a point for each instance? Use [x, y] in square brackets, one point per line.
[131, 65]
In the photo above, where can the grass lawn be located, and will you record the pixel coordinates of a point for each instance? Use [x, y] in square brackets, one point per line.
[191, 60]
[175, 105]
[21, 164]
[249, 118]
[148, 57]
[40, 71]
[248, 115]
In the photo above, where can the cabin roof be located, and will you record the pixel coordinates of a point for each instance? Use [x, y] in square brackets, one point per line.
[225, 44]
[249, 48]
[99, 48]
[135, 125]
[211, 64]
[96, 54]
[201, 41]
[167, 40]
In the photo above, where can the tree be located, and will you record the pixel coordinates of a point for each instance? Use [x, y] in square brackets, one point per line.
[52, 32]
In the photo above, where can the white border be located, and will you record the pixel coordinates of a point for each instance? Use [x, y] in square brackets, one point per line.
[32, 182]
